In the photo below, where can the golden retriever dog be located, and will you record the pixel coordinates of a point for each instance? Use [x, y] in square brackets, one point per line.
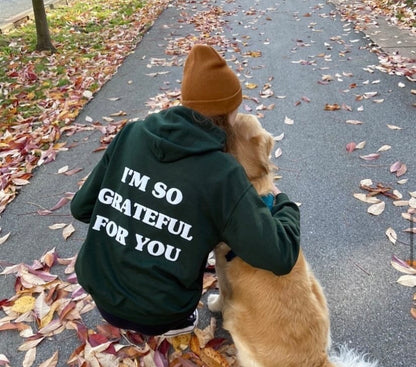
[275, 321]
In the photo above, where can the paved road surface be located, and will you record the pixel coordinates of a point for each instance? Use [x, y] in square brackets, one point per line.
[309, 59]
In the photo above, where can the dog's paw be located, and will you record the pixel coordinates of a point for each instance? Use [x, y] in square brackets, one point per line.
[215, 302]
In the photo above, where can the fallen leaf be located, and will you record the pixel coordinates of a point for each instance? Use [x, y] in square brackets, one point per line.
[58, 226]
[407, 280]
[409, 217]
[332, 107]
[24, 304]
[400, 203]
[402, 266]
[63, 169]
[402, 170]
[370, 157]
[391, 235]
[68, 231]
[278, 152]
[4, 238]
[288, 121]
[361, 145]
[395, 166]
[366, 182]
[384, 148]
[29, 344]
[251, 85]
[354, 122]
[30, 357]
[280, 137]
[350, 147]
[393, 127]
[377, 209]
[212, 358]
[366, 199]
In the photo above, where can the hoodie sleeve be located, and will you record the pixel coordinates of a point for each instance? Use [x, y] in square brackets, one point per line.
[264, 238]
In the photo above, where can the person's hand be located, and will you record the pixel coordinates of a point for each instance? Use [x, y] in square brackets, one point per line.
[276, 190]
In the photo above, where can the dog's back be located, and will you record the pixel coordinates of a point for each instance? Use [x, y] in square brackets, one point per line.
[275, 321]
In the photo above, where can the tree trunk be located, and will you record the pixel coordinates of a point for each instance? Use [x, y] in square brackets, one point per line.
[44, 42]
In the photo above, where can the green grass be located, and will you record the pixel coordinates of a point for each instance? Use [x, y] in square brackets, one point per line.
[80, 32]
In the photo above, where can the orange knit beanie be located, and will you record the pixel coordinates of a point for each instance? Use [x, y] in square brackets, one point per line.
[209, 86]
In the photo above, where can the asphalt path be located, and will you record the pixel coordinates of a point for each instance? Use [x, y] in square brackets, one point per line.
[309, 59]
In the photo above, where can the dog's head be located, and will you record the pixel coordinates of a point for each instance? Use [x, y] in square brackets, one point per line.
[251, 145]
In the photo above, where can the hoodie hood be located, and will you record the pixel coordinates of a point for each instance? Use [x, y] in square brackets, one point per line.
[179, 132]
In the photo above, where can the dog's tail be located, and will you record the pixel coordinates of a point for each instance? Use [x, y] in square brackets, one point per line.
[346, 357]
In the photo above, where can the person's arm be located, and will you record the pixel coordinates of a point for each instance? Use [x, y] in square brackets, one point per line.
[264, 238]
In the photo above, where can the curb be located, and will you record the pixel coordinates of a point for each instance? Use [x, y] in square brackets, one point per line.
[389, 37]
[20, 18]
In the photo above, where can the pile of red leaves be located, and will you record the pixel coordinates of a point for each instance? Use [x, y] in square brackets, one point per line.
[45, 305]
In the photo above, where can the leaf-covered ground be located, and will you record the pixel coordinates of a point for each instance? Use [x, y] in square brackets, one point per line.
[42, 94]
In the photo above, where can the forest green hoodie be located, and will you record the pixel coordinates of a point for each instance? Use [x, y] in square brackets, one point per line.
[162, 197]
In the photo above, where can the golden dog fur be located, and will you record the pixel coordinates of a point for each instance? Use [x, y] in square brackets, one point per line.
[275, 321]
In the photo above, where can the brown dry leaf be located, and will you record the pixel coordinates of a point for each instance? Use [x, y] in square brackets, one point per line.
[29, 344]
[251, 85]
[68, 231]
[212, 358]
[194, 345]
[209, 281]
[30, 357]
[377, 209]
[207, 334]
[57, 226]
[332, 107]
[180, 342]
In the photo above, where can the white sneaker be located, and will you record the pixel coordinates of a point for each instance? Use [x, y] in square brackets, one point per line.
[192, 320]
